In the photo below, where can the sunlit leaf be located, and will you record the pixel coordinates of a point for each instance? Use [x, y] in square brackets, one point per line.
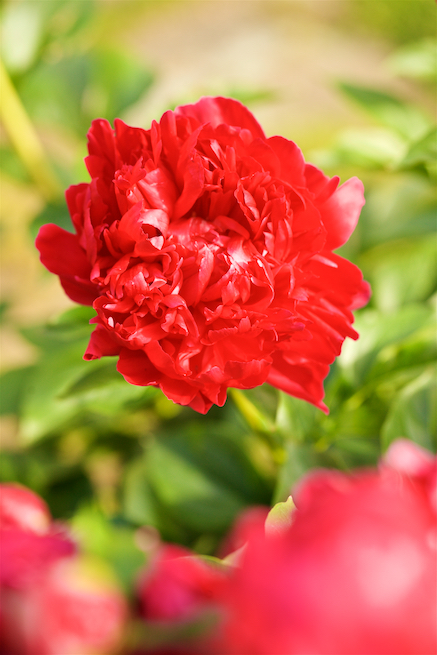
[423, 151]
[378, 330]
[416, 60]
[401, 271]
[22, 33]
[370, 148]
[388, 110]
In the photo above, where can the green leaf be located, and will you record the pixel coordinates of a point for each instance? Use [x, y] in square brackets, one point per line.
[388, 110]
[64, 82]
[397, 206]
[11, 386]
[298, 459]
[109, 541]
[370, 148]
[417, 60]
[44, 409]
[295, 418]
[377, 331]
[139, 506]
[204, 480]
[103, 390]
[200, 502]
[423, 151]
[401, 271]
[413, 414]
[82, 86]
[116, 81]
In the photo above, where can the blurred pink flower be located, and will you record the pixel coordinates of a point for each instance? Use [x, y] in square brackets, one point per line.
[177, 586]
[22, 508]
[354, 574]
[52, 601]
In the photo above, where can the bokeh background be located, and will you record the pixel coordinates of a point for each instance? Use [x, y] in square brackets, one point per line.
[353, 83]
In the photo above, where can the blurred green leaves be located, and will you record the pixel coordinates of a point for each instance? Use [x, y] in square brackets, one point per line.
[115, 456]
[97, 84]
[65, 76]
[417, 60]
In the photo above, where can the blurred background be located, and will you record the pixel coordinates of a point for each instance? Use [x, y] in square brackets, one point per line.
[353, 83]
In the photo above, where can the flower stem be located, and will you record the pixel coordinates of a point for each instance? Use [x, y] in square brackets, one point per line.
[24, 138]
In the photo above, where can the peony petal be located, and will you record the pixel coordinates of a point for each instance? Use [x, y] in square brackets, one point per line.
[218, 111]
[340, 213]
[362, 296]
[101, 344]
[299, 379]
[193, 181]
[136, 368]
[61, 253]
[102, 160]
[291, 160]
[78, 290]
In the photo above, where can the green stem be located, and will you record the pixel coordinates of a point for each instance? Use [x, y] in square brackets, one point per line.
[253, 416]
[24, 138]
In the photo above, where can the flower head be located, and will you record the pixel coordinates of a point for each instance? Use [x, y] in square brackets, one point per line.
[353, 574]
[53, 600]
[206, 250]
[177, 586]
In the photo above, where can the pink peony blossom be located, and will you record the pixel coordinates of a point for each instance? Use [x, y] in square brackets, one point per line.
[354, 574]
[52, 601]
[206, 250]
[177, 586]
[22, 508]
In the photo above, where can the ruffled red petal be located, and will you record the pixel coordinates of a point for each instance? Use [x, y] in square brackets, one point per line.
[222, 111]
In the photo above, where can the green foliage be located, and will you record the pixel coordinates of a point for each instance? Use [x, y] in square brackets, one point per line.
[113, 457]
[51, 51]
[99, 83]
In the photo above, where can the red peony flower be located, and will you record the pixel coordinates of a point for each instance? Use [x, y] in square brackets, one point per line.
[206, 250]
[74, 610]
[21, 508]
[51, 600]
[29, 542]
[354, 574]
[178, 586]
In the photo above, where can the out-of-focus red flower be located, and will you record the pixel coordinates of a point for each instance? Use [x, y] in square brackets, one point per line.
[72, 611]
[206, 250]
[26, 556]
[354, 574]
[22, 508]
[178, 586]
[51, 602]
[30, 542]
